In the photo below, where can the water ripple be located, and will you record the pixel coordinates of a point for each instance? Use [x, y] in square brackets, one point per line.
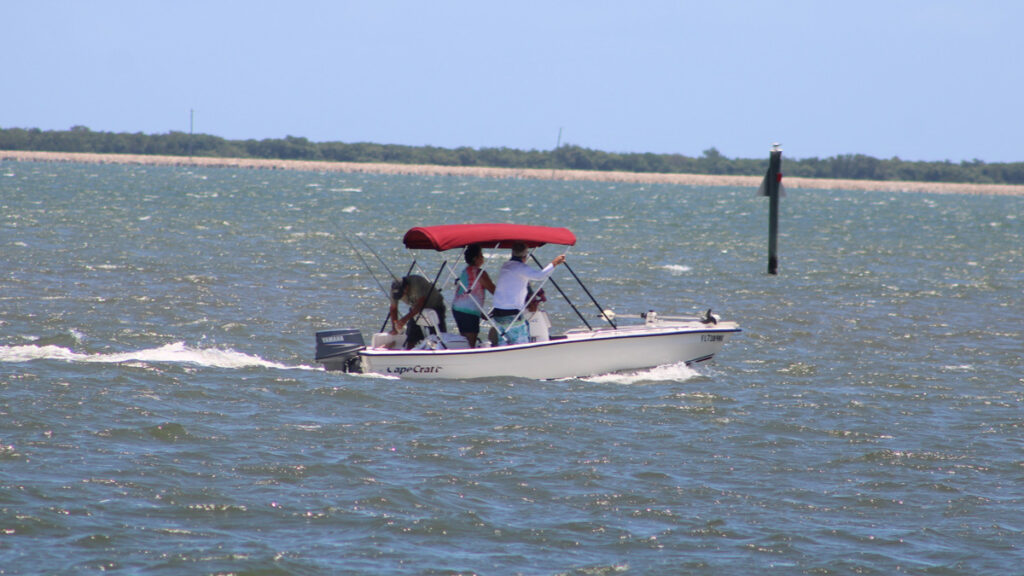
[160, 411]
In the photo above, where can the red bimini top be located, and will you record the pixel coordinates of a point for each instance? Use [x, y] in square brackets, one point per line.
[448, 236]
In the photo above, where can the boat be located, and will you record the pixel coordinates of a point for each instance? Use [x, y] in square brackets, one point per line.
[650, 340]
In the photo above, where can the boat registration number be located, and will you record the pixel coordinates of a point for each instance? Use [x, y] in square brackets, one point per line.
[712, 337]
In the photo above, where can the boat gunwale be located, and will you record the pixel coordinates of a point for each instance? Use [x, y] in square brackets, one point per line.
[588, 336]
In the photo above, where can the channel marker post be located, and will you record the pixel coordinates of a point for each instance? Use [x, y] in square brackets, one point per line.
[772, 187]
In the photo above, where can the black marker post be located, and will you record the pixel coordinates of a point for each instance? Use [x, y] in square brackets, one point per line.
[772, 187]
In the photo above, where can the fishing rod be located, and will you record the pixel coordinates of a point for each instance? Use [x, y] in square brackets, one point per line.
[377, 256]
[386, 267]
[706, 318]
[367, 265]
[388, 317]
[592, 299]
[562, 292]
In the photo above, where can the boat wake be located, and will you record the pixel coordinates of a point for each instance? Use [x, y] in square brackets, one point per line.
[677, 268]
[671, 372]
[176, 353]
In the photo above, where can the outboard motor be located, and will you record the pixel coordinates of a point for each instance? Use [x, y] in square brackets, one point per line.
[339, 349]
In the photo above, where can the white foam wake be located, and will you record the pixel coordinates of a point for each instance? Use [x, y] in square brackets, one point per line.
[169, 353]
[670, 372]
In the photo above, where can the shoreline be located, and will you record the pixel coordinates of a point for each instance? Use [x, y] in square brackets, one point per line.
[510, 173]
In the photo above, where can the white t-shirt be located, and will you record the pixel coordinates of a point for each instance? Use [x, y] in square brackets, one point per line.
[510, 289]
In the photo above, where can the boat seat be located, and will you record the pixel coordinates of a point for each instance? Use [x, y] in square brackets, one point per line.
[387, 340]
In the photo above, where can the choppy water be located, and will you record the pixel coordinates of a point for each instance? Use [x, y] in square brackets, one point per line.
[160, 412]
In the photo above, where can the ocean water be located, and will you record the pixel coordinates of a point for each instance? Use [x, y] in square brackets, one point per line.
[160, 411]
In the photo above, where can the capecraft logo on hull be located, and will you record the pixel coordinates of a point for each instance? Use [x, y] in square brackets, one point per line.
[399, 370]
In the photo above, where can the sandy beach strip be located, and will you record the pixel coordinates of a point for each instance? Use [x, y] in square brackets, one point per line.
[511, 173]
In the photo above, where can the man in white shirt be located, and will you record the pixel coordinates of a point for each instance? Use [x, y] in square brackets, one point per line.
[510, 293]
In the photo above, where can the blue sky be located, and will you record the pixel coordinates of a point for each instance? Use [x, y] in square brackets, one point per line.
[921, 80]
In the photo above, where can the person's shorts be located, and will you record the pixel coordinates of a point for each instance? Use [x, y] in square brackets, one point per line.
[467, 323]
[517, 332]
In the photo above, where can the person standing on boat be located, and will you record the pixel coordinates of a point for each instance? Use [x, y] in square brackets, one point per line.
[510, 293]
[468, 304]
[418, 293]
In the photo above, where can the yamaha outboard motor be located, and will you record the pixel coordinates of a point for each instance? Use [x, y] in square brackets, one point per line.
[339, 349]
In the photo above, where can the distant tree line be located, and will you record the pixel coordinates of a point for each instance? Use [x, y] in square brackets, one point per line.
[844, 166]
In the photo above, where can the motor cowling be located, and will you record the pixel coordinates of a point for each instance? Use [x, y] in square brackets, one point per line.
[339, 349]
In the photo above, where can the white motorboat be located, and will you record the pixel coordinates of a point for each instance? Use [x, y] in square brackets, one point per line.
[652, 340]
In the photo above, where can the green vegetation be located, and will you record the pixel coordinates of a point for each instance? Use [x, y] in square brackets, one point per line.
[846, 166]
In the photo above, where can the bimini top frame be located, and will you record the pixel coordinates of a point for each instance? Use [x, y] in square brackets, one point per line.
[497, 235]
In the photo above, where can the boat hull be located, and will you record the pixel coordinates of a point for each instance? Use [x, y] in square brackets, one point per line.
[577, 354]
